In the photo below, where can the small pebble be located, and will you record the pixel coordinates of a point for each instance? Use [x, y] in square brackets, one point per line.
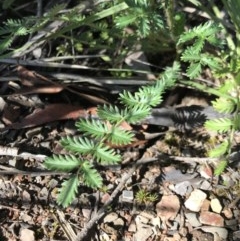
[216, 205]
[127, 196]
[192, 219]
[210, 218]
[195, 201]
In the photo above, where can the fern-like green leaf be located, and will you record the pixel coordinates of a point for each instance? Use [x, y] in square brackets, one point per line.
[147, 95]
[208, 60]
[237, 122]
[208, 90]
[68, 191]
[202, 31]
[91, 177]
[137, 114]
[169, 77]
[219, 150]
[118, 136]
[111, 113]
[224, 105]
[94, 128]
[123, 21]
[66, 163]
[190, 56]
[5, 43]
[105, 155]
[78, 144]
[194, 70]
[221, 125]
[55, 10]
[220, 167]
[152, 95]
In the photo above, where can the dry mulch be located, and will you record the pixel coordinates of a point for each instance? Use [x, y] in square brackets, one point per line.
[163, 190]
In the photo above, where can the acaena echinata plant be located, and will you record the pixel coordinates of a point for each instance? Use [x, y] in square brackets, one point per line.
[94, 146]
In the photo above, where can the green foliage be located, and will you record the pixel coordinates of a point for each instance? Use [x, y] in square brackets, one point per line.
[220, 167]
[199, 37]
[219, 150]
[221, 125]
[141, 14]
[201, 47]
[144, 197]
[94, 146]
[224, 105]
[68, 190]
[117, 27]
[65, 163]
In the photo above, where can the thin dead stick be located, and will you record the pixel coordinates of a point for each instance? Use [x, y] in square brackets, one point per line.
[10, 208]
[13, 171]
[200, 160]
[13, 151]
[67, 228]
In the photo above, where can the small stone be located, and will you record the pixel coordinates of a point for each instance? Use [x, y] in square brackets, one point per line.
[232, 224]
[141, 220]
[119, 222]
[219, 233]
[27, 218]
[236, 235]
[228, 213]
[132, 227]
[195, 201]
[216, 205]
[147, 215]
[192, 219]
[175, 226]
[205, 205]
[86, 213]
[143, 233]
[206, 172]
[211, 218]
[105, 197]
[27, 235]
[111, 217]
[127, 196]
[205, 185]
[156, 222]
[183, 188]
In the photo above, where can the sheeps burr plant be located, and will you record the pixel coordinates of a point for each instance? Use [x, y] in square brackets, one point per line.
[93, 147]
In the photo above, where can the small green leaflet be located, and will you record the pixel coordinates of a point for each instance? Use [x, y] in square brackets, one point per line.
[221, 125]
[137, 114]
[90, 175]
[111, 113]
[105, 155]
[78, 144]
[94, 128]
[219, 150]
[118, 136]
[224, 105]
[220, 167]
[68, 191]
[64, 163]
[194, 70]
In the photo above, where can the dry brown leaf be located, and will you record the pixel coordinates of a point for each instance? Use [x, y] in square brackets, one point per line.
[30, 78]
[51, 89]
[52, 112]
